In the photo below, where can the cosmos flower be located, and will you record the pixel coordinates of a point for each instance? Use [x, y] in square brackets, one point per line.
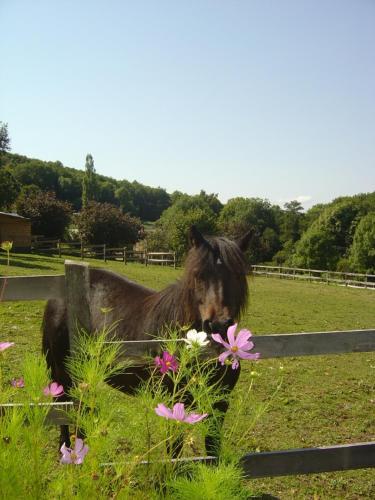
[196, 339]
[75, 456]
[18, 382]
[237, 346]
[166, 362]
[178, 413]
[53, 389]
[5, 345]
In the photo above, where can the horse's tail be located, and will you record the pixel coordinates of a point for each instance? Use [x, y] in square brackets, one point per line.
[55, 342]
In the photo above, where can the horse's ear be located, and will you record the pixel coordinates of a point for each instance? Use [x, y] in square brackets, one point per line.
[196, 238]
[244, 241]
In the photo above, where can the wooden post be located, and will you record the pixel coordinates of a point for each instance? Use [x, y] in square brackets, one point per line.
[77, 287]
[82, 252]
[146, 258]
[124, 255]
[59, 247]
[174, 260]
[104, 253]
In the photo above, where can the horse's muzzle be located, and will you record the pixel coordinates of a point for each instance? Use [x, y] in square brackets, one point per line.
[217, 326]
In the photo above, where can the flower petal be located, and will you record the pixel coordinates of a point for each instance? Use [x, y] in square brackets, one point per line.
[235, 364]
[247, 346]
[218, 338]
[179, 411]
[193, 418]
[242, 337]
[163, 411]
[191, 334]
[248, 355]
[230, 334]
[223, 356]
[201, 337]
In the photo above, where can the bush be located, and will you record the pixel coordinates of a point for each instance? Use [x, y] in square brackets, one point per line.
[49, 216]
[105, 223]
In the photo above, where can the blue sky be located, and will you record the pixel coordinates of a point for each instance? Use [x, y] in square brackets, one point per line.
[268, 98]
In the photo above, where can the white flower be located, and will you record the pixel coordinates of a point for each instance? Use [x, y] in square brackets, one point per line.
[196, 339]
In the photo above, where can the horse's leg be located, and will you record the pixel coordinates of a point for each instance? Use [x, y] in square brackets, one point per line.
[56, 349]
[228, 379]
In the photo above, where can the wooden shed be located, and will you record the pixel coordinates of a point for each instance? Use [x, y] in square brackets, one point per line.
[14, 227]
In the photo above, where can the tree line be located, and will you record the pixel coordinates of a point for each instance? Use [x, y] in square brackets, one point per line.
[64, 202]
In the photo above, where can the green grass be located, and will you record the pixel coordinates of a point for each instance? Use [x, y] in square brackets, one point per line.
[324, 400]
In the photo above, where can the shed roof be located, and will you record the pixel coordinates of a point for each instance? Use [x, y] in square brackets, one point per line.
[16, 216]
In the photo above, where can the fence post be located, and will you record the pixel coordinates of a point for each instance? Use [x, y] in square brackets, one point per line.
[146, 258]
[104, 253]
[124, 255]
[59, 247]
[77, 287]
[82, 250]
[174, 260]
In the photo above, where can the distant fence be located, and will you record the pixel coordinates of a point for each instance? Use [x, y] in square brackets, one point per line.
[102, 251]
[336, 277]
[74, 286]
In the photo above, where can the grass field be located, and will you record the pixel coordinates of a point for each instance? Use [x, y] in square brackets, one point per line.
[323, 400]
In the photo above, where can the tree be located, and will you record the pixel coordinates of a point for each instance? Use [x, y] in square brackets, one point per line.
[327, 240]
[9, 189]
[105, 223]
[241, 214]
[173, 226]
[89, 182]
[362, 251]
[4, 138]
[49, 216]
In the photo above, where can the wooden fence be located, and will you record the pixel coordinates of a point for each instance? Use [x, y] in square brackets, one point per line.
[74, 287]
[336, 277]
[104, 252]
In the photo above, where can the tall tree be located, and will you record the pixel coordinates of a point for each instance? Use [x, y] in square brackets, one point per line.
[4, 138]
[88, 182]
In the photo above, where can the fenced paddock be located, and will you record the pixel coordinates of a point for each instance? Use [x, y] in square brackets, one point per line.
[103, 252]
[359, 280]
[74, 285]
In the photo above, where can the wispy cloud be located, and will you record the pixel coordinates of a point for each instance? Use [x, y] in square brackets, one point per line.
[302, 198]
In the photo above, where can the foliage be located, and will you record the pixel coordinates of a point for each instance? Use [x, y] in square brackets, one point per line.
[241, 214]
[118, 435]
[4, 138]
[173, 226]
[9, 189]
[362, 251]
[89, 184]
[145, 202]
[329, 237]
[7, 247]
[49, 216]
[105, 223]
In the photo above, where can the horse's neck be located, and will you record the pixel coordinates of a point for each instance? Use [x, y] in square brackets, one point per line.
[172, 306]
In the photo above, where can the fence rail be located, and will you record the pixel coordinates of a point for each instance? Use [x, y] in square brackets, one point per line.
[337, 277]
[74, 286]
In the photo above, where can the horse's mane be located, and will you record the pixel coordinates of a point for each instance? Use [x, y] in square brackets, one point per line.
[176, 305]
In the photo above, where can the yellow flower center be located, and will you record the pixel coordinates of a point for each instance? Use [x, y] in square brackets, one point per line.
[234, 348]
[168, 363]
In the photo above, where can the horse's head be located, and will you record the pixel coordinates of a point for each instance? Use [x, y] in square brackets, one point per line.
[216, 271]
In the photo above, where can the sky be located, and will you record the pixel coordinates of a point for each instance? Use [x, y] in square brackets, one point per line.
[257, 98]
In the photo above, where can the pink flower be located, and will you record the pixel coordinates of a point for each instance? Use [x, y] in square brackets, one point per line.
[18, 382]
[75, 456]
[53, 389]
[237, 347]
[178, 413]
[5, 345]
[166, 362]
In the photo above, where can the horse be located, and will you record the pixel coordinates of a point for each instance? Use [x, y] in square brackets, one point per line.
[210, 296]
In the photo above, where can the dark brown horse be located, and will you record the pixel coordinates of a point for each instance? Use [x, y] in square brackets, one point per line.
[211, 295]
